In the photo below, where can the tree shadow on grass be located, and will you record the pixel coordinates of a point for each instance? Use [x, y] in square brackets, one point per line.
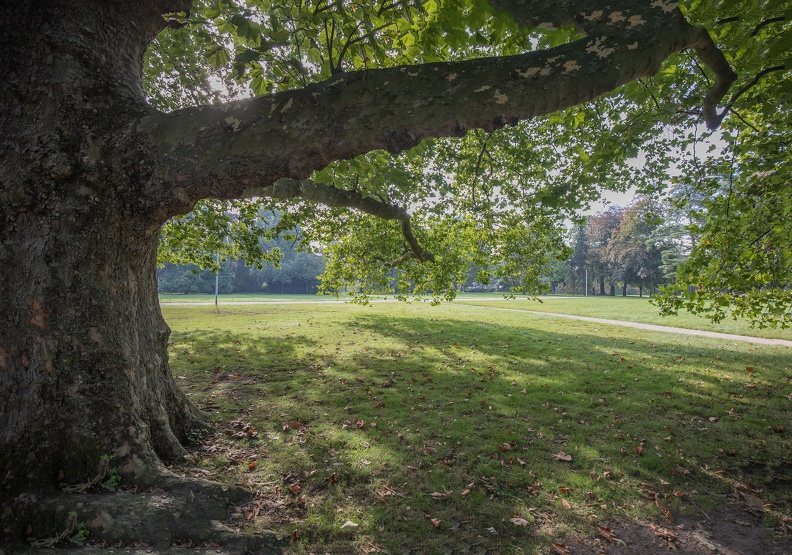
[395, 410]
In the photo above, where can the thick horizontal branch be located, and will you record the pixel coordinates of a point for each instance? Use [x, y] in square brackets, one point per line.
[222, 151]
[323, 193]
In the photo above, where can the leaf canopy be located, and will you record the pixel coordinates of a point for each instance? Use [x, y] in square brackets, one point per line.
[499, 201]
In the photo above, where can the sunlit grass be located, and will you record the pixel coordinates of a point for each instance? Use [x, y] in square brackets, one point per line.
[630, 309]
[392, 415]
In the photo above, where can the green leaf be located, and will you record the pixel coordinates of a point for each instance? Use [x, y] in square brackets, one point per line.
[217, 56]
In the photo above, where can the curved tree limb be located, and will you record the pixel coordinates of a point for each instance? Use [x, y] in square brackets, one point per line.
[329, 195]
[713, 58]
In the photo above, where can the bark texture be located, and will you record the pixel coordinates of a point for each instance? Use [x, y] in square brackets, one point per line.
[89, 173]
[83, 362]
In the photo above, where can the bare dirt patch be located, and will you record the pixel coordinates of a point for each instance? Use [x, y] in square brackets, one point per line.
[735, 529]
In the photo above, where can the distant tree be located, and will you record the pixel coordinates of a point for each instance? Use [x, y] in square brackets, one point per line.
[599, 232]
[555, 274]
[633, 248]
[578, 262]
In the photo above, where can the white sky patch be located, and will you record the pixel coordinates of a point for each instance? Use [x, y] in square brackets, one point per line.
[700, 150]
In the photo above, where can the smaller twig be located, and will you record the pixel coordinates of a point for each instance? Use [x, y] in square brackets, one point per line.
[753, 83]
[330, 195]
[727, 20]
[742, 119]
[403, 258]
[765, 23]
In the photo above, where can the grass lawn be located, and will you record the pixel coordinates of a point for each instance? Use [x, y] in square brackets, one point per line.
[453, 429]
[631, 309]
[238, 298]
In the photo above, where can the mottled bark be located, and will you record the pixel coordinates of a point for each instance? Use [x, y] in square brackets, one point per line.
[83, 361]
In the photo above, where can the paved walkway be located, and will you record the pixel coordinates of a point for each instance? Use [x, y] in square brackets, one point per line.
[636, 325]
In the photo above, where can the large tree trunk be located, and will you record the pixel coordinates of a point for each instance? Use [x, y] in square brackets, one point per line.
[83, 360]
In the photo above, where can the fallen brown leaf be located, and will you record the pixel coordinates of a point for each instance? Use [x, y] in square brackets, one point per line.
[294, 488]
[561, 549]
[517, 521]
[561, 456]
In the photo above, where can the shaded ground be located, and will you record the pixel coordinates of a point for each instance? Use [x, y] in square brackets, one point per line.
[736, 530]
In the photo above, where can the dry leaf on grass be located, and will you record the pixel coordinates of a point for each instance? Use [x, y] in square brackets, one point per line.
[517, 521]
[561, 456]
[438, 495]
[294, 488]
[561, 549]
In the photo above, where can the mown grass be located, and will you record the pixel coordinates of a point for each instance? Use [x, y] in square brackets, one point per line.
[630, 309]
[392, 415]
[238, 298]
